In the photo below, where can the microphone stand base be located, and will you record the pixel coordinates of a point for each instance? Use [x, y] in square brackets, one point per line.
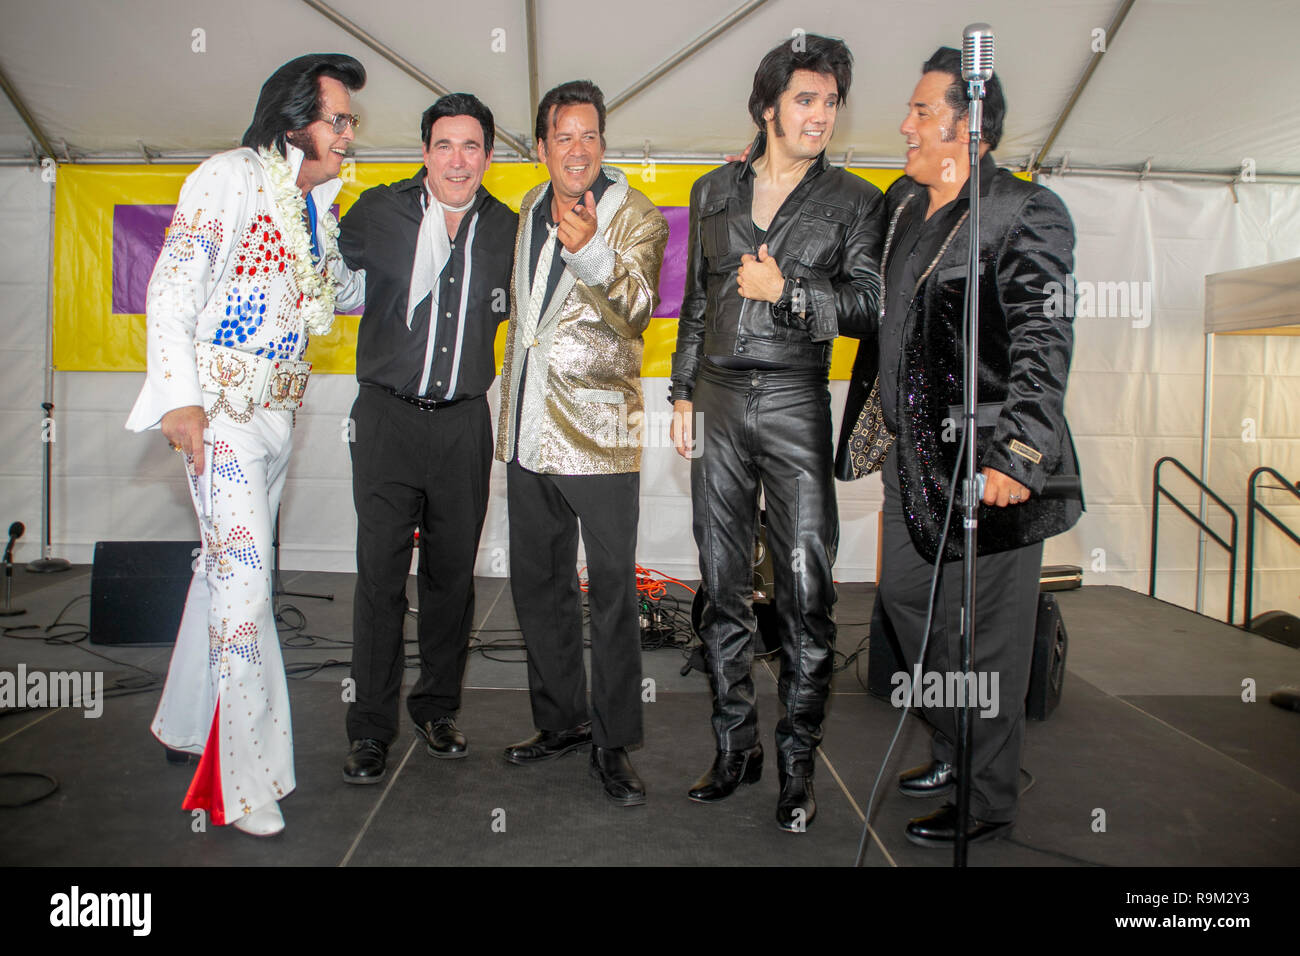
[48, 565]
[11, 611]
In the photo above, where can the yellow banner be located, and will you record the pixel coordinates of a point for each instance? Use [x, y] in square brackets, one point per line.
[110, 222]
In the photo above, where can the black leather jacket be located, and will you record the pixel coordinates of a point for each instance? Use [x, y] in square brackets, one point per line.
[826, 239]
[1026, 243]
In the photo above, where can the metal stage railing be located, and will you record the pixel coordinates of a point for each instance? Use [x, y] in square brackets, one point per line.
[1253, 505]
[1157, 490]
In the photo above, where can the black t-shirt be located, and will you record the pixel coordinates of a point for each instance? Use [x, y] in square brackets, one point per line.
[739, 363]
[917, 240]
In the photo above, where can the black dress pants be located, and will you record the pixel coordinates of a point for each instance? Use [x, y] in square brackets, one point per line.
[427, 469]
[768, 428]
[545, 514]
[1006, 606]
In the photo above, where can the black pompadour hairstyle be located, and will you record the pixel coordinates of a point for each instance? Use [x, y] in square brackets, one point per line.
[290, 99]
[573, 93]
[806, 51]
[946, 59]
[460, 104]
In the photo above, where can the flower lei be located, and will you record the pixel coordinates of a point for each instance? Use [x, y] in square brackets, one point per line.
[318, 290]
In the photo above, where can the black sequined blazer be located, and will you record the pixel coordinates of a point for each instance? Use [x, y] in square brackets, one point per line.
[1025, 341]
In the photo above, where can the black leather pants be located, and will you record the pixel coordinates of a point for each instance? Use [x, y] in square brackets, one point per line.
[770, 429]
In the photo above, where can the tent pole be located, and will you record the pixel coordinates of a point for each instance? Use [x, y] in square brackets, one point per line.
[399, 61]
[668, 65]
[46, 563]
[28, 119]
[1091, 68]
[1206, 411]
[534, 86]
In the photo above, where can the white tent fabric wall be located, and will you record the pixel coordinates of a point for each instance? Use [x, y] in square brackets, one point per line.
[1135, 395]
[1136, 384]
[24, 281]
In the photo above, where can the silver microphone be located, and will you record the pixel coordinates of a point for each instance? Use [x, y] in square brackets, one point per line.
[977, 53]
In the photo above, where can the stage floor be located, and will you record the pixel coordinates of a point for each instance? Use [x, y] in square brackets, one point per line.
[1152, 731]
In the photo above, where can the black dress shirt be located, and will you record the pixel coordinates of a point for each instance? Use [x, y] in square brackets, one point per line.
[379, 234]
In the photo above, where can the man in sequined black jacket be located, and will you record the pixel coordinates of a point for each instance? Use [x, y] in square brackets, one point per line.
[917, 364]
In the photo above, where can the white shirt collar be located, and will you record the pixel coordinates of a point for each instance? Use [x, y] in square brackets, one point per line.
[324, 194]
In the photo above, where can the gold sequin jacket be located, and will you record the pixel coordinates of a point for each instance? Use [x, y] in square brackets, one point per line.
[582, 411]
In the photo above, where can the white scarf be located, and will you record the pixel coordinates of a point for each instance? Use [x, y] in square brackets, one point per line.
[432, 250]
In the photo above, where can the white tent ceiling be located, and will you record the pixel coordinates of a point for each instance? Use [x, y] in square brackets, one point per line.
[1188, 84]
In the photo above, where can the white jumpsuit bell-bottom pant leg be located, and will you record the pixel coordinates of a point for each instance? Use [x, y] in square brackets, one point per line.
[226, 696]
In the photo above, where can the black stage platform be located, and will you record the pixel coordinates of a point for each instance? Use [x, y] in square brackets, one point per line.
[1152, 731]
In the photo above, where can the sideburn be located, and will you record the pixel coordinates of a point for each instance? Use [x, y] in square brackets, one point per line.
[303, 142]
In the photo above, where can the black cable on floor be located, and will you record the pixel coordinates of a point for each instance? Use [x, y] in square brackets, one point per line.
[850, 658]
[72, 635]
[54, 786]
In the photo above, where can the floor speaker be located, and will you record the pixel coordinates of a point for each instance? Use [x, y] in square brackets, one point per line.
[1047, 672]
[1047, 676]
[138, 589]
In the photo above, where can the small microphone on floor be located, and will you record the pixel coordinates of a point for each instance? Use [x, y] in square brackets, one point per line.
[15, 532]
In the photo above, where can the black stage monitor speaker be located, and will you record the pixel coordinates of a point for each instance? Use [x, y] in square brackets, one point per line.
[138, 589]
[1047, 676]
[1279, 626]
[1047, 673]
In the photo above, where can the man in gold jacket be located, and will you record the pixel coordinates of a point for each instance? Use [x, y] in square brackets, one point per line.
[587, 260]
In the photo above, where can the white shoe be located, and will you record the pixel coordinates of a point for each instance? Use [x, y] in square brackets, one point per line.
[267, 821]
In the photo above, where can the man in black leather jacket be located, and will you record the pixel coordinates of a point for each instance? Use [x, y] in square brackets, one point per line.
[783, 257]
[1026, 244]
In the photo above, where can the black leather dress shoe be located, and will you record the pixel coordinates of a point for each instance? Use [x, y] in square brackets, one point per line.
[178, 756]
[940, 829]
[367, 761]
[614, 769]
[443, 739]
[730, 769]
[549, 744]
[796, 806]
[931, 780]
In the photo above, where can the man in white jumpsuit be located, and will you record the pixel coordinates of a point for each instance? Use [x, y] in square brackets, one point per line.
[248, 272]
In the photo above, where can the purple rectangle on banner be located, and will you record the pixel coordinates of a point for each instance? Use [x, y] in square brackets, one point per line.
[672, 280]
[139, 231]
[138, 234]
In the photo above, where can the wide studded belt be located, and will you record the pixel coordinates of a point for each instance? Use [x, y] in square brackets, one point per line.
[243, 382]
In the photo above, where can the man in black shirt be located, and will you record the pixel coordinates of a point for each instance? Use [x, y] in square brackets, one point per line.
[436, 253]
[783, 258]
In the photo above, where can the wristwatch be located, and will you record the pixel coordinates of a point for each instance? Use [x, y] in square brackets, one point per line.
[792, 300]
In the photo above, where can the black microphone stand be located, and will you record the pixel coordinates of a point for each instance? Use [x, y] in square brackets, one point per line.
[15, 532]
[971, 486]
[46, 563]
[277, 590]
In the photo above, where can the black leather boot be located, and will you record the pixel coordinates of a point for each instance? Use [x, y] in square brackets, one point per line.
[730, 769]
[796, 807]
